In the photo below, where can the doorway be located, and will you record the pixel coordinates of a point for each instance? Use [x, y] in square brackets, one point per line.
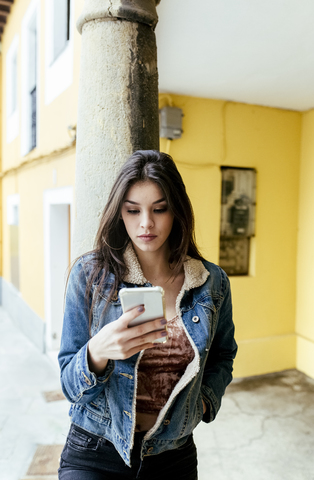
[57, 224]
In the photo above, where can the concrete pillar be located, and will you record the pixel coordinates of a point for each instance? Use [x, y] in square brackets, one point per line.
[118, 102]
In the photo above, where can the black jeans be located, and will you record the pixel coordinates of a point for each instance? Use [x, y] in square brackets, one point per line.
[88, 457]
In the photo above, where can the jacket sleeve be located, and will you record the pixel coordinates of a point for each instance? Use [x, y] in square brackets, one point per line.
[79, 384]
[219, 364]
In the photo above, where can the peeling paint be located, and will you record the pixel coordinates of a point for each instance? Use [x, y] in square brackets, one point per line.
[143, 90]
[118, 106]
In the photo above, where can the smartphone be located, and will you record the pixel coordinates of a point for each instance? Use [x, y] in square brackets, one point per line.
[153, 300]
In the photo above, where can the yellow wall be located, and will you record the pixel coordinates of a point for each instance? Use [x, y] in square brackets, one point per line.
[30, 183]
[30, 180]
[54, 118]
[305, 263]
[1, 203]
[217, 133]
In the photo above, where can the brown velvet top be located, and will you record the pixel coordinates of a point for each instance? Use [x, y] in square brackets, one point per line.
[161, 367]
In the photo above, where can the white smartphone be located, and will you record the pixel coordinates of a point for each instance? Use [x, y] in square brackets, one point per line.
[153, 300]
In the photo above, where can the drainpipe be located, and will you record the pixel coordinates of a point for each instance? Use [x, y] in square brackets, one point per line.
[118, 102]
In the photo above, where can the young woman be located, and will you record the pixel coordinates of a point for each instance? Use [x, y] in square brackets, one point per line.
[136, 402]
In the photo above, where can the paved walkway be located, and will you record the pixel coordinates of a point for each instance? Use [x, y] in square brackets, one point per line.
[265, 430]
[26, 418]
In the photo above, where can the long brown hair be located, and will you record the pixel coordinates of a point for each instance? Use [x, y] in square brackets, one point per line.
[112, 238]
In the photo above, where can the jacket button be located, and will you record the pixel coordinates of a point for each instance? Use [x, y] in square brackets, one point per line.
[126, 375]
[87, 380]
[115, 296]
[166, 422]
[195, 319]
[150, 449]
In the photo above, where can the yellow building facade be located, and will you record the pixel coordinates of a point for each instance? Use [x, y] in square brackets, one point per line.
[272, 304]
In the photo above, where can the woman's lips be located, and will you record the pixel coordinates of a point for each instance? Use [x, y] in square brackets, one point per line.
[147, 238]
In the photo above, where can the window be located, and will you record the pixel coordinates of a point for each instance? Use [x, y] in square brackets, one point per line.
[13, 222]
[32, 87]
[30, 27]
[237, 225]
[12, 81]
[58, 47]
[61, 26]
[11, 91]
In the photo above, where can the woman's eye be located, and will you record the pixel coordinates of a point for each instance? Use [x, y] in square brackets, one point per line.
[160, 210]
[133, 212]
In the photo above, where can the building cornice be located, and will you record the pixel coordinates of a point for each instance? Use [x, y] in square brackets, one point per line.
[5, 9]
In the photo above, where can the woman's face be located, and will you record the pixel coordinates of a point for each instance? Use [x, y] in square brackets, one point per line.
[146, 217]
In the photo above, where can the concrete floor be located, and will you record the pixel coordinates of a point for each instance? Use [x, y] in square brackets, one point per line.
[264, 431]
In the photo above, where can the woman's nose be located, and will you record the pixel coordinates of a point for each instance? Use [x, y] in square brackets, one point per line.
[147, 221]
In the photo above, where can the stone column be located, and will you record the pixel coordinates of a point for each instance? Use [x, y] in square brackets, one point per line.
[118, 102]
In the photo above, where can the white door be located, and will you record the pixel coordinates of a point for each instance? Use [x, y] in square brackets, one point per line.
[59, 263]
[57, 211]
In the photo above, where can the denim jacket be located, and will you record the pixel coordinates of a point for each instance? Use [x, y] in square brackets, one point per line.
[106, 405]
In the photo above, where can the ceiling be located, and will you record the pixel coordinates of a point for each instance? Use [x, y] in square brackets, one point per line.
[252, 51]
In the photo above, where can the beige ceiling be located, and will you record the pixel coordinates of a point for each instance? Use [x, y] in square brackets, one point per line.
[252, 51]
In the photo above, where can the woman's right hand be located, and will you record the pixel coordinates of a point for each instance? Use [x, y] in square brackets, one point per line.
[116, 341]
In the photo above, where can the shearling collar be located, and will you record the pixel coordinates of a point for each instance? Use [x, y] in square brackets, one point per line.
[195, 274]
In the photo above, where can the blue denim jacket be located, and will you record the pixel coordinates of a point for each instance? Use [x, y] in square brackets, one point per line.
[106, 405]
